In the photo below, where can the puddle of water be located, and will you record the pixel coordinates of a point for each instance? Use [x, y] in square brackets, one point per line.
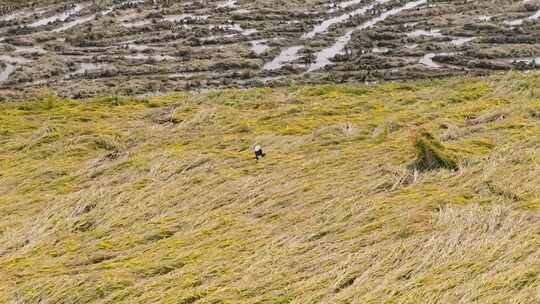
[214, 37]
[181, 75]
[520, 21]
[136, 23]
[461, 40]
[287, 55]
[74, 23]
[14, 60]
[178, 18]
[244, 32]
[242, 11]
[323, 27]
[410, 24]
[4, 75]
[82, 20]
[182, 17]
[259, 46]
[228, 4]
[341, 5]
[427, 60]
[30, 49]
[485, 18]
[131, 2]
[87, 67]
[84, 67]
[527, 60]
[380, 50]
[137, 57]
[515, 22]
[236, 28]
[324, 56]
[138, 47]
[437, 33]
[27, 49]
[430, 33]
[171, 18]
[249, 32]
[58, 17]
[148, 57]
[12, 16]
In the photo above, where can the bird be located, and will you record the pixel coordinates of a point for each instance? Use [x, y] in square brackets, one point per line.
[258, 152]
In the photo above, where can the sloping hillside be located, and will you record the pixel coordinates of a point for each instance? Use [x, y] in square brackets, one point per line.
[86, 48]
[125, 200]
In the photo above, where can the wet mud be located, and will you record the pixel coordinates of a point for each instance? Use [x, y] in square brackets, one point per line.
[120, 47]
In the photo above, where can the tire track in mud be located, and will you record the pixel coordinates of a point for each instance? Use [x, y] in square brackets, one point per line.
[63, 17]
[291, 53]
[325, 25]
[522, 20]
[323, 57]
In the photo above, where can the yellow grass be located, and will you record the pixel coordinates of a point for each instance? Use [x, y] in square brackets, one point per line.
[160, 200]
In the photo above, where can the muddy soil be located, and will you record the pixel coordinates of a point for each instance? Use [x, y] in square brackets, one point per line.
[82, 49]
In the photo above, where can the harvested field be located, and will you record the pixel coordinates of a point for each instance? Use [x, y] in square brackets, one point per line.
[146, 47]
